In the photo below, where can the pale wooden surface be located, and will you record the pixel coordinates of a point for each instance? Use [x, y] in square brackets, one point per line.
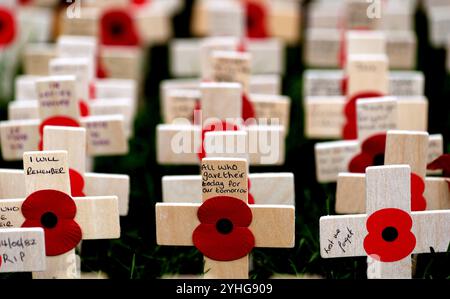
[123, 107]
[179, 144]
[46, 170]
[12, 184]
[367, 73]
[63, 266]
[226, 144]
[21, 110]
[412, 115]
[57, 95]
[180, 103]
[97, 184]
[407, 147]
[122, 62]
[328, 83]
[105, 135]
[81, 67]
[208, 46]
[27, 258]
[365, 42]
[37, 58]
[231, 66]
[323, 117]
[72, 140]
[270, 107]
[351, 193]
[266, 188]
[376, 115]
[333, 157]
[221, 101]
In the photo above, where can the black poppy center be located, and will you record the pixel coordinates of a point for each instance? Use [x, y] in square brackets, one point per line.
[117, 29]
[224, 226]
[389, 234]
[49, 220]
[378, 160]
[251, 22]
[1, 25]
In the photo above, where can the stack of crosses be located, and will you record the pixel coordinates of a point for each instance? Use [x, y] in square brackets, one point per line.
[72, 140]
[265, 188]
[59, 105]
[77, 55]
[389, 232]
[65, 220]
[366, 75]
[253, 18]
[374, 118]
[152, 14]
[438, 13]
[402, 147]
[328, 20]
[224, 227]
[222, 62]
[181, 142]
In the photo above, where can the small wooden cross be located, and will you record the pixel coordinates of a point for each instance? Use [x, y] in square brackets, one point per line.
[389, 233]
[72, 140]
[257, 225]
[47, 180]
[374, 117]
[402, 147]
[58, 105]
[266, 188]
[21, 249]
[180, 143]
[187, 58]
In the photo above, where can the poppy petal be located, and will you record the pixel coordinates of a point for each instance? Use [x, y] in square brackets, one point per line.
[225, 207]
[256, 20]
[248, 111]
[223, 247]
[63, 238]
[43, 201]
[8, 26]
[117, 28]
[441, 163]
[76, 183]
[418, 201]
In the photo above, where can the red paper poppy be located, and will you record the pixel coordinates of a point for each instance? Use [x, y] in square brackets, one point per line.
[76, 183]
[223, 234]
[84, 108]
[63, 121]
[140, 2]
[442, 163]
[251, 199]
[372, 154]
[418, 201]
[256, 18]
[215, 127]
[54, 211]
[8, 28]
[389, 236]
[350, 129]
[101, 71]
[118, 29]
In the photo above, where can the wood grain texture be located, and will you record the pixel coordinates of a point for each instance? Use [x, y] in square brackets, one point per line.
[375, 116]
[60, 267]
[18, 137]
[266, 188]
[351, 193]
[27, 258]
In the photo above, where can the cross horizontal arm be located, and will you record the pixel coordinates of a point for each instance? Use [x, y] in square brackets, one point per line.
[272, 226]
[188, 188]
[342, 236]
[431, 231]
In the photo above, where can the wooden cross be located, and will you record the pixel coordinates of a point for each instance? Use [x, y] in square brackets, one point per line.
[72, 140]
[186, 55]
[57, 98]
[220, 63]
[266, 188]
[389, 233]
[45, 173]
[324, 35]
[439, 24]
[181, 143]
[402, 147]
[268, 226]
[21, 249]
[374, 117]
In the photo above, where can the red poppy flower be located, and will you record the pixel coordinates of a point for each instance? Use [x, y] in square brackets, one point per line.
[251, 199]
[76, 183]
[55, 212]
[101, 71]
[389, 237]
[223, 234]
[256, 15]
[140, 2]
[350, 130]
[63, 121]
[7, 27]
[248, 111]
[84, 108]
[118, 29]
[215, 127]
[372, 154]
[442, 163]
